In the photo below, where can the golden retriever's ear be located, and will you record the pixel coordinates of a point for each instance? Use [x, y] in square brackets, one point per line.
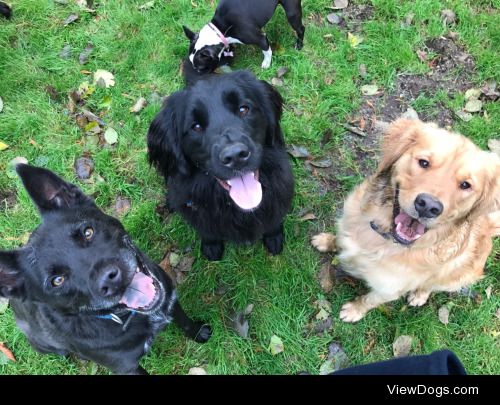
[400, 135]
[489, 202]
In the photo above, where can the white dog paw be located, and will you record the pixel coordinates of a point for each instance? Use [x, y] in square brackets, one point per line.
[352, 312]
[324, 242]
[417, 298]
[266, 64]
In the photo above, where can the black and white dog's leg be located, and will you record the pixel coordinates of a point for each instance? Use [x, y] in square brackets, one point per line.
[198, 331]
[266, 50]
[293, 11]
[212, 249]
[273, 241]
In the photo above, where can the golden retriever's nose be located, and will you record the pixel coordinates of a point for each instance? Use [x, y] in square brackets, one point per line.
[234, 156]
[427, 206]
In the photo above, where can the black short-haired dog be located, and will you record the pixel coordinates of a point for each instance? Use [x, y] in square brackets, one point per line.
[240, 22]
[5, 10]
[81, 286]
[220, 147]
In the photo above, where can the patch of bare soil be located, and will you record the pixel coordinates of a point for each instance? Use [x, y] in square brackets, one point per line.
[7, 198]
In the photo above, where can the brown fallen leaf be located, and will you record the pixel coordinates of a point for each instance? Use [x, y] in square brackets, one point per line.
[488, 291]
[325, 277]
[307, 217]
[7, 352]
[122, 206]
[84, 166]
[71, 18]
[139, 105]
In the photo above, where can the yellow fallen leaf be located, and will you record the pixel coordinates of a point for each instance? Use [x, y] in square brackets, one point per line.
[103, 78]
[354, 40]
[3, 146]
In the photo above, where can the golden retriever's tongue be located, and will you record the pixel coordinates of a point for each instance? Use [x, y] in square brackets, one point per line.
[140, 293]
[408, 228]
[245, 191]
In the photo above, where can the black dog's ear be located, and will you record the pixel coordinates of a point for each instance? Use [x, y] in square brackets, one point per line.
[11, 278]
[273, 110]
[164, 138]
[189, 34]
[48, 191]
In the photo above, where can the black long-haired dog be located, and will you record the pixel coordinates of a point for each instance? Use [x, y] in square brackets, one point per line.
[220, 147]
[81, 286]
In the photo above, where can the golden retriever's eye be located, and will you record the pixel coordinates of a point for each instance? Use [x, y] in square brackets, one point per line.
[243, 110]
[88, 233]
[464, 185]
[57, 281]
[423, 163]
[196, 127]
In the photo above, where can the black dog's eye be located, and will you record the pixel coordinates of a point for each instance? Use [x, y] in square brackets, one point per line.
[243, 110]
[197, 127]
[423, 163]
[57, 281]
[88, 233]
[464, 185]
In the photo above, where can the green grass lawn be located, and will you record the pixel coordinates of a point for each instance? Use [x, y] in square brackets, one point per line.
[143, 49]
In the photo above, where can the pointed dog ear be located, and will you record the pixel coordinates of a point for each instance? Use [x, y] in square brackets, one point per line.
[189, 34]
[11, 277]
[48, 191]
[164, 138]
[400, 136]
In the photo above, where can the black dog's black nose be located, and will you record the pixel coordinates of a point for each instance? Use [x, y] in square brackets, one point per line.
[235, 155]
[109, 281]
[427, 206]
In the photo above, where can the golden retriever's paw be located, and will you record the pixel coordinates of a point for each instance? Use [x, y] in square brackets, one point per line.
[352, 312]
[324, 242]
[418, 298]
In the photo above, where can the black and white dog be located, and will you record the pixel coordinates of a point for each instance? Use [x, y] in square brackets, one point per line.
[240, 22]
[220, 148]
[81, 286]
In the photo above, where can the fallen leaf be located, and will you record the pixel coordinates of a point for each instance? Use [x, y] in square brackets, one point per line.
[248, 310]
[275, 81]
[325, 278]
[489, 90]
[464, 116]
[111, 136]
[422, 55]
[322, 315]
[488, 291]
[340, 4]
[196, 370]
[85, 90]
[369, 89]
[84, 55]
[297, 151]
[473, 106]
[84, 167]
[275, 345]
[494, 145]
[402, 346]
[333, 18]
[4, 303]
[353, 40]
[122, 206]
[320, 327]
[362, 70]
[3, 146]
[11, 166]
[103, 78]
[323, 304]
[65, 52]
[323, 163]
[443, 315]
[240, 324]
[185, 264]
[337, 357]
[472, 94]
[307, 217]
[7, 352]
[282, 71]
[72, 18]
[327, 367]
[410, 114]
[448, 16]
[139, 105]
[175, 259]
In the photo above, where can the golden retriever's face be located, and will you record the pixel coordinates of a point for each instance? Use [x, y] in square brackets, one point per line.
[438, 178]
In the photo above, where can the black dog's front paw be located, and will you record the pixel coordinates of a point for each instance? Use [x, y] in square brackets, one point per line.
[212, 250]
[204, 332]
[274, 244]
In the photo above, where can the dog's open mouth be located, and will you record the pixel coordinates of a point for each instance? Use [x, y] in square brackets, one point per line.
[144, 293]
[245, 190]
[406, 229]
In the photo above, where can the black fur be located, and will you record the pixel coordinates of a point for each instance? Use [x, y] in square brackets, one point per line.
[5, 10]
[97, 267]
[244, 20]
[190, 163]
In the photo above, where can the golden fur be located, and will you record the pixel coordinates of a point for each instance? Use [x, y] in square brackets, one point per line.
[452, 252]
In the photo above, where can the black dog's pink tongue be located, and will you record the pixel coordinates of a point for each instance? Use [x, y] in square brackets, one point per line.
[140, 293]
[246, 191]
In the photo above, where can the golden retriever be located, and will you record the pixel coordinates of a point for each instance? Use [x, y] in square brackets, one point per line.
[423, 222]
